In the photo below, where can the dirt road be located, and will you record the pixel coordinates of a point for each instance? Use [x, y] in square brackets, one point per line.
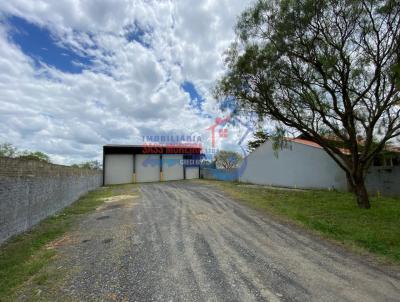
[186, 241]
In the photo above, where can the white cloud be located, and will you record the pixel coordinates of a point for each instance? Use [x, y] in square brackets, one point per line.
[131, 89]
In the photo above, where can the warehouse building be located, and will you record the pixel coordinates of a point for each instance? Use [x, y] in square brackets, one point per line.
[147, 163]
[305, 164]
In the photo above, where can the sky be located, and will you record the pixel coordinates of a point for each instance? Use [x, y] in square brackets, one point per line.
[76, 75]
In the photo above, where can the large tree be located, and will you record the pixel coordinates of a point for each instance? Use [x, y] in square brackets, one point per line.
[227, 159]
[324, 68]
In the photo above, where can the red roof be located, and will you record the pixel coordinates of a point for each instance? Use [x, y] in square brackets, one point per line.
[315, 145]
[395, 149]
[306, 142]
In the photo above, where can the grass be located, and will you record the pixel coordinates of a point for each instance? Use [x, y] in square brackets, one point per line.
[22, 257]
[334, 215]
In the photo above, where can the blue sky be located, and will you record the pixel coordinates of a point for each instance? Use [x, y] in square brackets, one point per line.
[196, 100]
[76, 75]
[138, 34]
[43, 47]
[39, 44]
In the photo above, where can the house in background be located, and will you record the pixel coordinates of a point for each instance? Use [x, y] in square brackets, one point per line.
[305, 164]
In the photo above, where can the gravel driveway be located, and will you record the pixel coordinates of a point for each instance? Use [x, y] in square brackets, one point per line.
[186, 241]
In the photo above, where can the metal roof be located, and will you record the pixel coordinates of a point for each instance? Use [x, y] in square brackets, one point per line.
[394, 149]
[151, 149]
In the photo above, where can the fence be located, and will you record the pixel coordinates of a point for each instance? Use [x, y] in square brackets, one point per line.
[379, 180]
[220, 174]
[31, 191]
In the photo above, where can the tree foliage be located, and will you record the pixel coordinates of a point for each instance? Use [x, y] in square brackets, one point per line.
[8, 150]
[260, 137]
[322, 67]
[34, 155]
[227, 159]
[92, 164]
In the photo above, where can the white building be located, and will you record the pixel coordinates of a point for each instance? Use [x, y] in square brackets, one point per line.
[304, 164]
[124, 164]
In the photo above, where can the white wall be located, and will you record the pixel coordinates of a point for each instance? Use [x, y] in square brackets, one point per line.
[118, 169]
[172, 166]
[192, 172]
[147, 167]
[298, 166]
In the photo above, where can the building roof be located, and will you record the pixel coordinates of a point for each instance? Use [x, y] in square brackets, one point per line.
[395, 149]
[305, 142]
[151, 149]
[117, 145]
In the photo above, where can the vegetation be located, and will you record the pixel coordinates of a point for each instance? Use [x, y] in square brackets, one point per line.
[396, 70]
[324, 67]
[331, 214]
[8, 150]
[92, 164]
[227, 159]
[205, 163]
[23, 257]
[37, 155]
[260, 137]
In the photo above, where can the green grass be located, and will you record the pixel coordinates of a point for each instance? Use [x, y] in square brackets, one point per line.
[25, 255]
[335, 215]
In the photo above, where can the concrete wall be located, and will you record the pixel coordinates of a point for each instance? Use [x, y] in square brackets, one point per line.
[385, 180]
[30, 191]
[296, 166]
[305, 166]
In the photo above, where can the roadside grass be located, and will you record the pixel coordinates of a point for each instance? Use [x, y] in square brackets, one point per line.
[22, 257]
[334, 215]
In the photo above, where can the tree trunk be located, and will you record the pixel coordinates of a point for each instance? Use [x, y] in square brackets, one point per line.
[350, 186]
[362, 195]
[357, 186]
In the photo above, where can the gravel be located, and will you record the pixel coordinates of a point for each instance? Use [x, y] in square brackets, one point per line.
[187, 241]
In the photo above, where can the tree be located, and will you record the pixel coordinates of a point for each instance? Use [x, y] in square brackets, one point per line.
[91, 164]
[396, 70]
[7, 150]
[260, 137]
[227, 159]
[35, 155]
[207, 164]
[319, 67]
